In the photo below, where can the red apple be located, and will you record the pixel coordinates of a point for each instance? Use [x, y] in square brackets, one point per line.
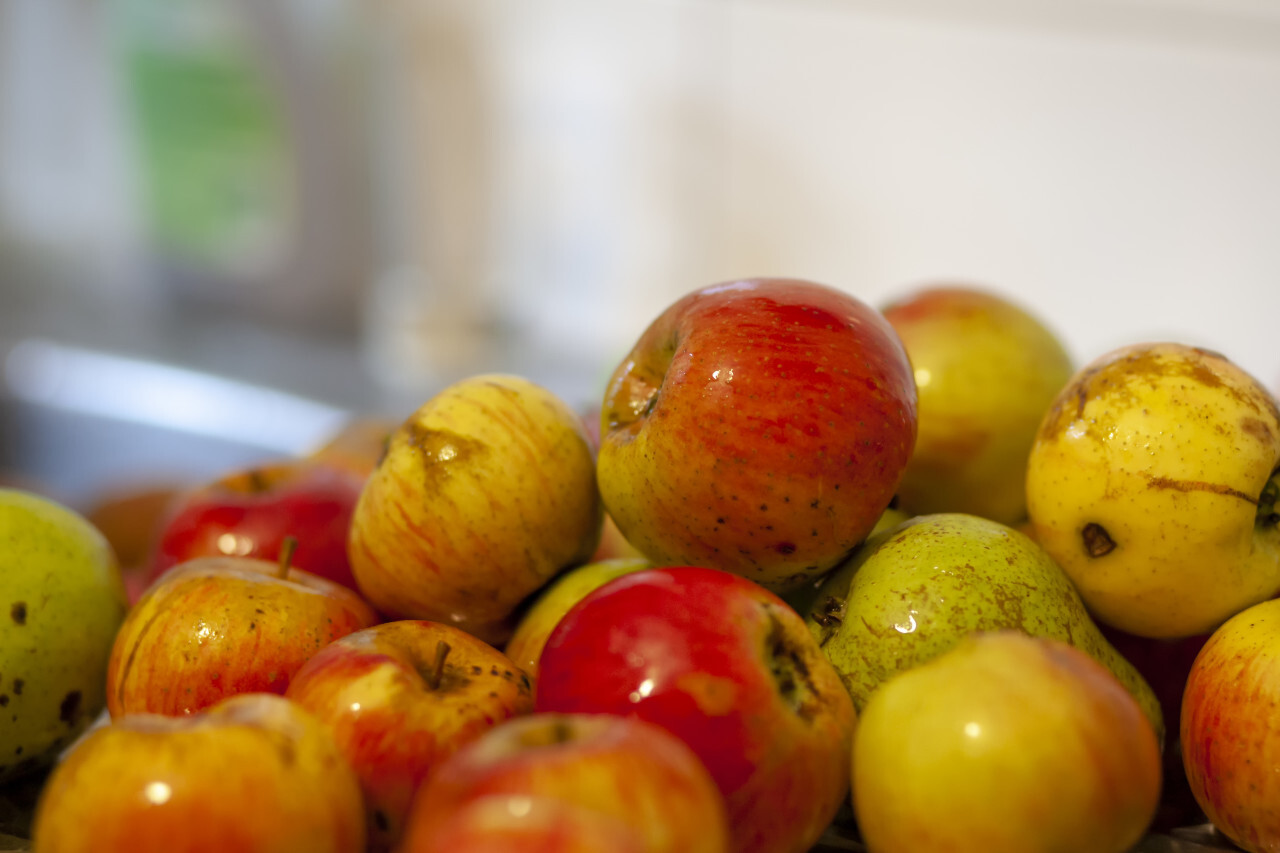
[725, 665]
[217, 626]
[757, 426]
[619, 768]
[252, 512]
[399, 698]
[253, 774]
[1230, 730]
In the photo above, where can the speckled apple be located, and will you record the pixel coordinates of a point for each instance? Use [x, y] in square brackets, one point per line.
[758, 426]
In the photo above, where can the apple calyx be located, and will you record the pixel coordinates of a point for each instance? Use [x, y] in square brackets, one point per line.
[789, 669]
[287, 549]
[435, 675]
[1269, 503]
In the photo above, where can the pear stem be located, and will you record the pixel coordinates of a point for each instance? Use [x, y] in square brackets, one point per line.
[287, 548]
[435, 675]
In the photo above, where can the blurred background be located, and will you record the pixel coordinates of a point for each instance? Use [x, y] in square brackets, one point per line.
[244, 220]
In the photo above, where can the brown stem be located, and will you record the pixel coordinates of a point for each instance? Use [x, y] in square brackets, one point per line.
[436, 674]
[287, 548]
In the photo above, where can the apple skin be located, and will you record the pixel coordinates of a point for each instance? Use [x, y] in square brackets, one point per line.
[758, 426]
[61, 603]
[986, 371]
[730, 669]
[502, 823]
[485, 493]
[619, 768]
[1230, 732]
[553, 602]
[254, 773]
[217, 626]
[1153, 482]
[252, 512]
[394, 719]
[1005, 744]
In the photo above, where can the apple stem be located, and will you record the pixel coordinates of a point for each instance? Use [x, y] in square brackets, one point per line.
[436, 674]
[287, 548]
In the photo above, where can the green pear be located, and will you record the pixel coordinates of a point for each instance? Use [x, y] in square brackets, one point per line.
[61, 603]
[914, 591]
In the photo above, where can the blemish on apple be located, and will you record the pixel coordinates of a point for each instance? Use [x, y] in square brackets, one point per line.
[18, 612]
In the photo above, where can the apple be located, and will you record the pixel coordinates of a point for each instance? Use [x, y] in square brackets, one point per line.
[1230, 732]
[986, 370]
[252, 512]
[253, 773]
[1153, 482]
[553, 602]
[213, 627]
[399, 698]
[619, 768]
[485, 493]
[61, 603]
[757, 426]
[502, 823]
[1005, 744]
[730, 669]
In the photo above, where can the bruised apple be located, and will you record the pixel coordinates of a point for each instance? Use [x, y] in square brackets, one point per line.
[484, 494]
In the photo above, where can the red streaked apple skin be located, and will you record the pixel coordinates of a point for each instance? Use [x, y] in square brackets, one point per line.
[1230, 730]
[617, 767]
[214, 627]
[758, 426]
[731, 670]
[373, 690]
[485, 493]
[253, 774]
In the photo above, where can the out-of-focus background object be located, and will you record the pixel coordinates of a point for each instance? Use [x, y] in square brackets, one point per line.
[345, 203]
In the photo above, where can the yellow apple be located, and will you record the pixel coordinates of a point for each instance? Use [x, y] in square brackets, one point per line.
[484, 494]
[986, 370]
[1005, 744]
[1153, 483]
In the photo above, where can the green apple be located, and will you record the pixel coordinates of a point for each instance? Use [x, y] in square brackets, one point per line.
[61, 602]
[1153, 482]
[1005, 744]
[986, 371]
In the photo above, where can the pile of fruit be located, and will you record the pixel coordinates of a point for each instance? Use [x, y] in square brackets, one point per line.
[898, 579]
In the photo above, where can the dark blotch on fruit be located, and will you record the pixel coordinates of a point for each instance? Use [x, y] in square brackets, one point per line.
[785, 548]
[18, 612]
[380, 820]
[1097, 542]
[69, 710]
[17, 686]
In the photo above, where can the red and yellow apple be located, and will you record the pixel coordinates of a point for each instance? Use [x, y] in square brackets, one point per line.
[730, 669]
[1230, 731]
[485, 493]
[1005, 744]
[503, 823]
[619, 768]
[986, 370]
[217, 626]
[758, 426]
[399, 698]
[254, 774]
